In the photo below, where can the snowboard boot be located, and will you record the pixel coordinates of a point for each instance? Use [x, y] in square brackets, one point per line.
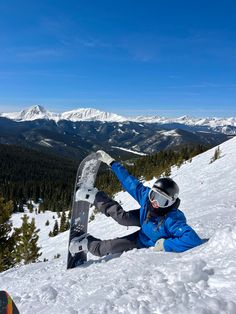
[79, 244]
[86, 195]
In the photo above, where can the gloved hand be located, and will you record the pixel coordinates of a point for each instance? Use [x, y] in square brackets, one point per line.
[104, 157]
[159, 245]
[87, 195]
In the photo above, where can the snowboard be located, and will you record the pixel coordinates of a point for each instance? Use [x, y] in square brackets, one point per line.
[7, 306]
[85, 178]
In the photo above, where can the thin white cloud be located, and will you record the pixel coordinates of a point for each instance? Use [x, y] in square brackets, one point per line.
[29, 53]
[203, 85]
[38, 52]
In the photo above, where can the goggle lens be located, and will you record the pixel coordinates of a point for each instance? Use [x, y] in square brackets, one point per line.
[160, 199]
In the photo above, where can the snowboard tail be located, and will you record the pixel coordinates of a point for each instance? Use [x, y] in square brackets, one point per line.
[85, 178]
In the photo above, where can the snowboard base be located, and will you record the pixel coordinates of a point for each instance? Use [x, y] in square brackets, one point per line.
[85, 179]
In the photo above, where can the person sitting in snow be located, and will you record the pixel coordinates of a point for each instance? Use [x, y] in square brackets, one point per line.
[162, 225]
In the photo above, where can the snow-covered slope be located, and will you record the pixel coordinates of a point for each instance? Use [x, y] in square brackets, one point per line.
[199, 281]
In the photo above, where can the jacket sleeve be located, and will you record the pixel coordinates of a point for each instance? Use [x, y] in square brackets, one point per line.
[182, 236]
[132, 185]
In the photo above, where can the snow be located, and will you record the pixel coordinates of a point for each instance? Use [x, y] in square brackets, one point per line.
[130, 150]
[223, 125]
[31, 113]
[170, 133]
[90, 114]
[120, 131]
[80, 114]
[212, 122]
[135, 132]
[199, 281]
[45, 142]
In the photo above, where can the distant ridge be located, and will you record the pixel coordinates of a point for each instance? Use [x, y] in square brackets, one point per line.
[91, 114]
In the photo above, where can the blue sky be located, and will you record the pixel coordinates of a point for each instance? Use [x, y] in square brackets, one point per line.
[130, 57]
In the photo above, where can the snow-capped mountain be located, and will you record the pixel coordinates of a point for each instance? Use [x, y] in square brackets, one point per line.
[201, 280]
[211, 122]
[75, 133]
[30, 114]
[81, 114]
[76, 139]
[90, 114]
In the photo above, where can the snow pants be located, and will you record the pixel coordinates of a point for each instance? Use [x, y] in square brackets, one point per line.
[113, 209]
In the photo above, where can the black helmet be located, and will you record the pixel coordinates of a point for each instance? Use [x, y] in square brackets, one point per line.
[164, 191]
[168, 186]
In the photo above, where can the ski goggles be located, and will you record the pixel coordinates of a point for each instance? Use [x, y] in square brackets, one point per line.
[160, 198]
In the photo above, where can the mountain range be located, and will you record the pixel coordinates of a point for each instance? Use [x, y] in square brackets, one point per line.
[76, 133]
[91, 114]
[81, 114]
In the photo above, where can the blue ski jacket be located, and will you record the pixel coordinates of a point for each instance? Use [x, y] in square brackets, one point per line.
[178, 235]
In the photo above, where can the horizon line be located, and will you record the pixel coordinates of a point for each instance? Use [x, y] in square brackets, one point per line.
[131, 110]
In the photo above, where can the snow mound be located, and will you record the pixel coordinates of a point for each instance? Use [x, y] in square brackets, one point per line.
[143, 282]
[223, 241]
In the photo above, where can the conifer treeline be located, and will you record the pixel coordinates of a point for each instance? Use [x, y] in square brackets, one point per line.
[27, 174]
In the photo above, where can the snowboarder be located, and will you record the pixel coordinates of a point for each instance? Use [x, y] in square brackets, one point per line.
[162, 225]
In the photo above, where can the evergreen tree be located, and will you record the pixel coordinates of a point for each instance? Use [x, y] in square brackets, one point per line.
[7, 241]
[216, 155]
[21, 207]
[167, 173]
[41, 208]
[15, 207]
[63, 222]
[92, 217]
[47, 223]
[55, 229]
[30, 207]
[67, 224]
[27, 250]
